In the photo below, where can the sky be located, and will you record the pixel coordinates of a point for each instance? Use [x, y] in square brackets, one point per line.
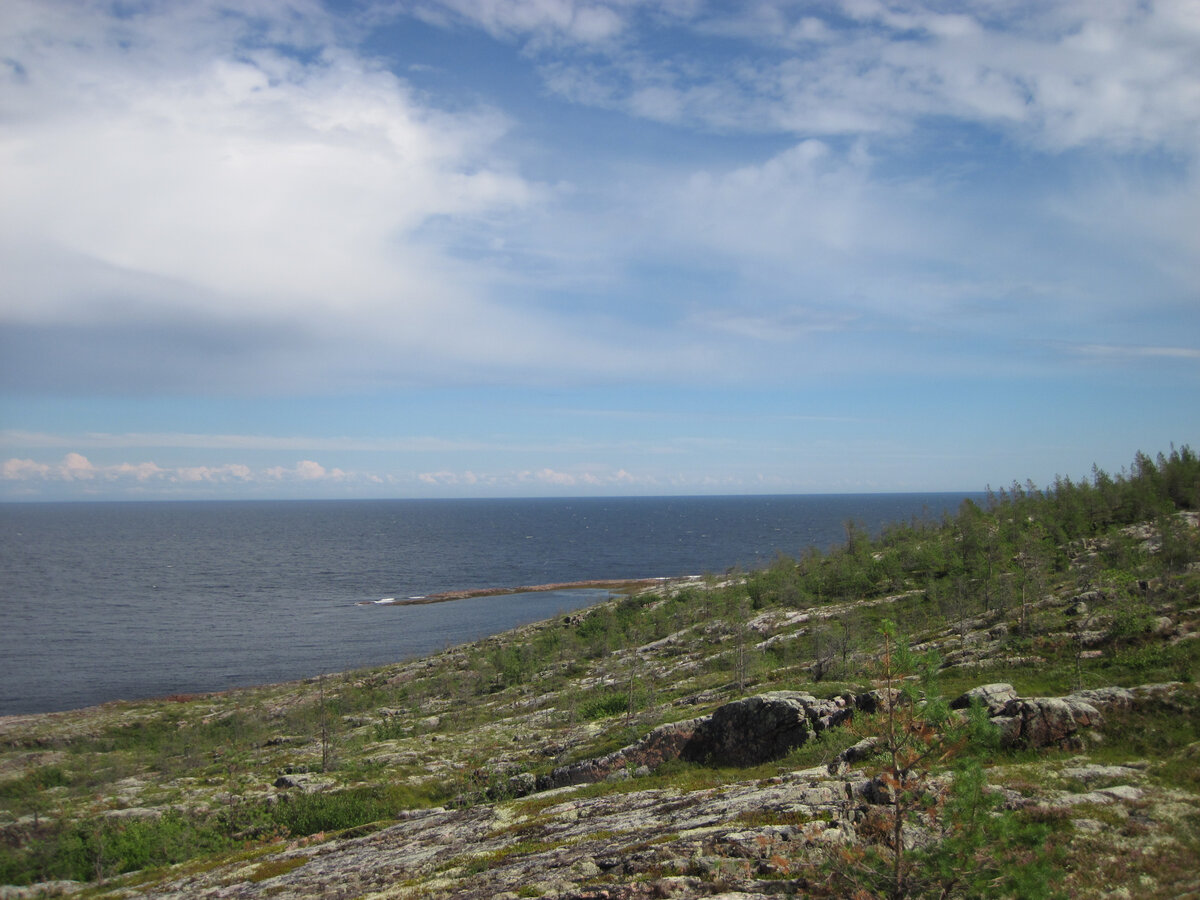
[476, 248]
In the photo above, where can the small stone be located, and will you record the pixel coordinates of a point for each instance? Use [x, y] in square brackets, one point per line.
[1124, 792]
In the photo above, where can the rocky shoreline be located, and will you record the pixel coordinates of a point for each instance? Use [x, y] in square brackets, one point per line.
[622, 585]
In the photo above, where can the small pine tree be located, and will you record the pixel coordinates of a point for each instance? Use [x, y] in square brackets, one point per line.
[942, 833]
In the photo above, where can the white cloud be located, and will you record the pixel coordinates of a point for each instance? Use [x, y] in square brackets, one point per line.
[572, 21]
[805, 200]
[582, 477]
[1118, 352]
[305, 470]
[24, 470]
[230, 472]
[1056, 75]
[242, 200]
[447, 478]
[164, 176]
[784, 326]
[75, 467]
[550, 476]
[265, 186]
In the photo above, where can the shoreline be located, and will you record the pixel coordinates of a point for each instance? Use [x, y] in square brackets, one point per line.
[614, 584]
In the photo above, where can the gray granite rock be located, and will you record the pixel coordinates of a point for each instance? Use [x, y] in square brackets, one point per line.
[992, 696]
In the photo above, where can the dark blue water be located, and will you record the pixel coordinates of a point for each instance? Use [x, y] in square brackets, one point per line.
[103, 601]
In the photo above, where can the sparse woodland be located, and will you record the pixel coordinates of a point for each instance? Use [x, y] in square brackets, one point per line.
[428, 778]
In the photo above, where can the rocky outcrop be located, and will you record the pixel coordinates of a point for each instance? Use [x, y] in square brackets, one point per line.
[305, 782]
[664, 743]
[744, 838]
[993, 696]
[1044, 721]
[864, 749]
[743, 733]
[768, 726]
[763, 728]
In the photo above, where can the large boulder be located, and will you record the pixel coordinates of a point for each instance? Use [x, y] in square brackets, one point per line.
[992, 696]
[1046, 721]
[755, 730]
[743, 733]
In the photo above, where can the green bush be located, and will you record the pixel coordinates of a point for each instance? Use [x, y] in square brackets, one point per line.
[1131, 620]
[608, 703]
[390, 729]
[304, 814]
[100, 848]
[92, 849]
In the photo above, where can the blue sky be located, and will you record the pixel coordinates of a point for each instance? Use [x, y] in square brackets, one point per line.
[571, 247]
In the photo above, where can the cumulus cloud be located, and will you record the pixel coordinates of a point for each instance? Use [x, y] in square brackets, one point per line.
[231, 472]
[24, 470]
[75, 467]
[177, 168]
[448, 478]
[305, 470]
[550, 476]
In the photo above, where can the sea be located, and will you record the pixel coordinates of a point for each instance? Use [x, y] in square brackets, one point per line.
[103, 601]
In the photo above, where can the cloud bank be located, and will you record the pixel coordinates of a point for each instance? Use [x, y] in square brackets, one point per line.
[413, 215]
[75, 467]
[244, 200]
[245, 203]
[23, 476]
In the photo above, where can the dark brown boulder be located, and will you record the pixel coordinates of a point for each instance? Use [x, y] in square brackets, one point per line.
[752, 731]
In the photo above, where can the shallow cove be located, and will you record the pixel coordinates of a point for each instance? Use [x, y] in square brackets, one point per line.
[101, 601]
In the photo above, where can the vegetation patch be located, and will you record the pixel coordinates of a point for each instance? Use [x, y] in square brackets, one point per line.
[276, 867]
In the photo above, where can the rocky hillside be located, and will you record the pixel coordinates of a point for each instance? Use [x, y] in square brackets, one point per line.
[999, 704]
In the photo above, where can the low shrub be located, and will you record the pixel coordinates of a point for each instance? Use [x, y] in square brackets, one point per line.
[604, 705]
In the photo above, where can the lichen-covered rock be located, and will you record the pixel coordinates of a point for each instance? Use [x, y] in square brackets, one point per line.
[1106, 699]
[758, 729]
[1093, 772]
[743, 733]
[663, 743]
[855, 753]
[993, 696]
[41, 889]
[1046, 721]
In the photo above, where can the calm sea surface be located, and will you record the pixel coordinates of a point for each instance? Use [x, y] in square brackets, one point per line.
[103, 601]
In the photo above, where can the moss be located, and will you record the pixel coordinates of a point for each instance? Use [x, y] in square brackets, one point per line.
[276, 867]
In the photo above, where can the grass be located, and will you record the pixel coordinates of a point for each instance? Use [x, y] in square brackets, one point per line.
[100, 847]
[1165, 730]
